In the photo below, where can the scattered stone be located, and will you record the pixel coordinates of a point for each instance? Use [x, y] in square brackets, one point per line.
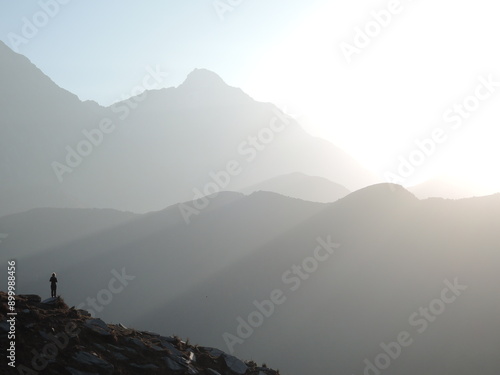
[92, 360]
[151, 333]
[213, 351]
[119, 356]
[97, 326]
[96, 322]
[171, 348]
[167, 338]
[133, 352]
[149, 366]
[179, 359]
[115, 347]
[173, 365]
[44, 335]
[262, 370]
[157, 348]
[84, 313]
[137, 342]
[50, 301]
[235, 365]
[4, 326]
[73, 371]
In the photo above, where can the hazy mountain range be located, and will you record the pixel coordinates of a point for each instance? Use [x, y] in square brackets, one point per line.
[395, 256]
[149, 151]
[193, 211]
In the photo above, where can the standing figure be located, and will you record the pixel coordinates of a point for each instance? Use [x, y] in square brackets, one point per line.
[53, 285]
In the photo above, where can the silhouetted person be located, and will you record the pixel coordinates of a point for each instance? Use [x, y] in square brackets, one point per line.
[53, 285]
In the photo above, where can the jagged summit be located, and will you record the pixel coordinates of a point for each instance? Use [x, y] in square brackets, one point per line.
[52, 338]
[207, 86]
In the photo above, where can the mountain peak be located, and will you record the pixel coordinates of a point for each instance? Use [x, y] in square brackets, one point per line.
[380, 196]
[205, 88]
[203, 78]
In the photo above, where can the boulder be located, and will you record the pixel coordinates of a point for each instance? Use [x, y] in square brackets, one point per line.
[97, 326]
[235, 365]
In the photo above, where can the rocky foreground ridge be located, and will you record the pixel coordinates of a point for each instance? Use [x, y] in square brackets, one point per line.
[51, 338]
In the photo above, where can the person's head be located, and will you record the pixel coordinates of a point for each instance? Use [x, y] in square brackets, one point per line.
[54, 274]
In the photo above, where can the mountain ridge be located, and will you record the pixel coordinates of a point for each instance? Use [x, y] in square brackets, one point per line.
[302, 186]
[394, 250]
[179, 136]
[52, 338]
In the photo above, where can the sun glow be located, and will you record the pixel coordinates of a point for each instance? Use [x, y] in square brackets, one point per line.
[378, 106]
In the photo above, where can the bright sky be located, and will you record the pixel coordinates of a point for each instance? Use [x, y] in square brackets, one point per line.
[427, 60]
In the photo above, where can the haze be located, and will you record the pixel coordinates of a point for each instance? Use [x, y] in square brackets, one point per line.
[393, 92]
[312, 185]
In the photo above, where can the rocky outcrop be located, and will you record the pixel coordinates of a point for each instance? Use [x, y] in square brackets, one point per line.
[52, 338]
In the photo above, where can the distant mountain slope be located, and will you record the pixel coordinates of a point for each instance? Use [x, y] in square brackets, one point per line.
[299, 185]
[37, 120]
[147, 152]
[443, 188]
[43, 229]
[396, 255]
